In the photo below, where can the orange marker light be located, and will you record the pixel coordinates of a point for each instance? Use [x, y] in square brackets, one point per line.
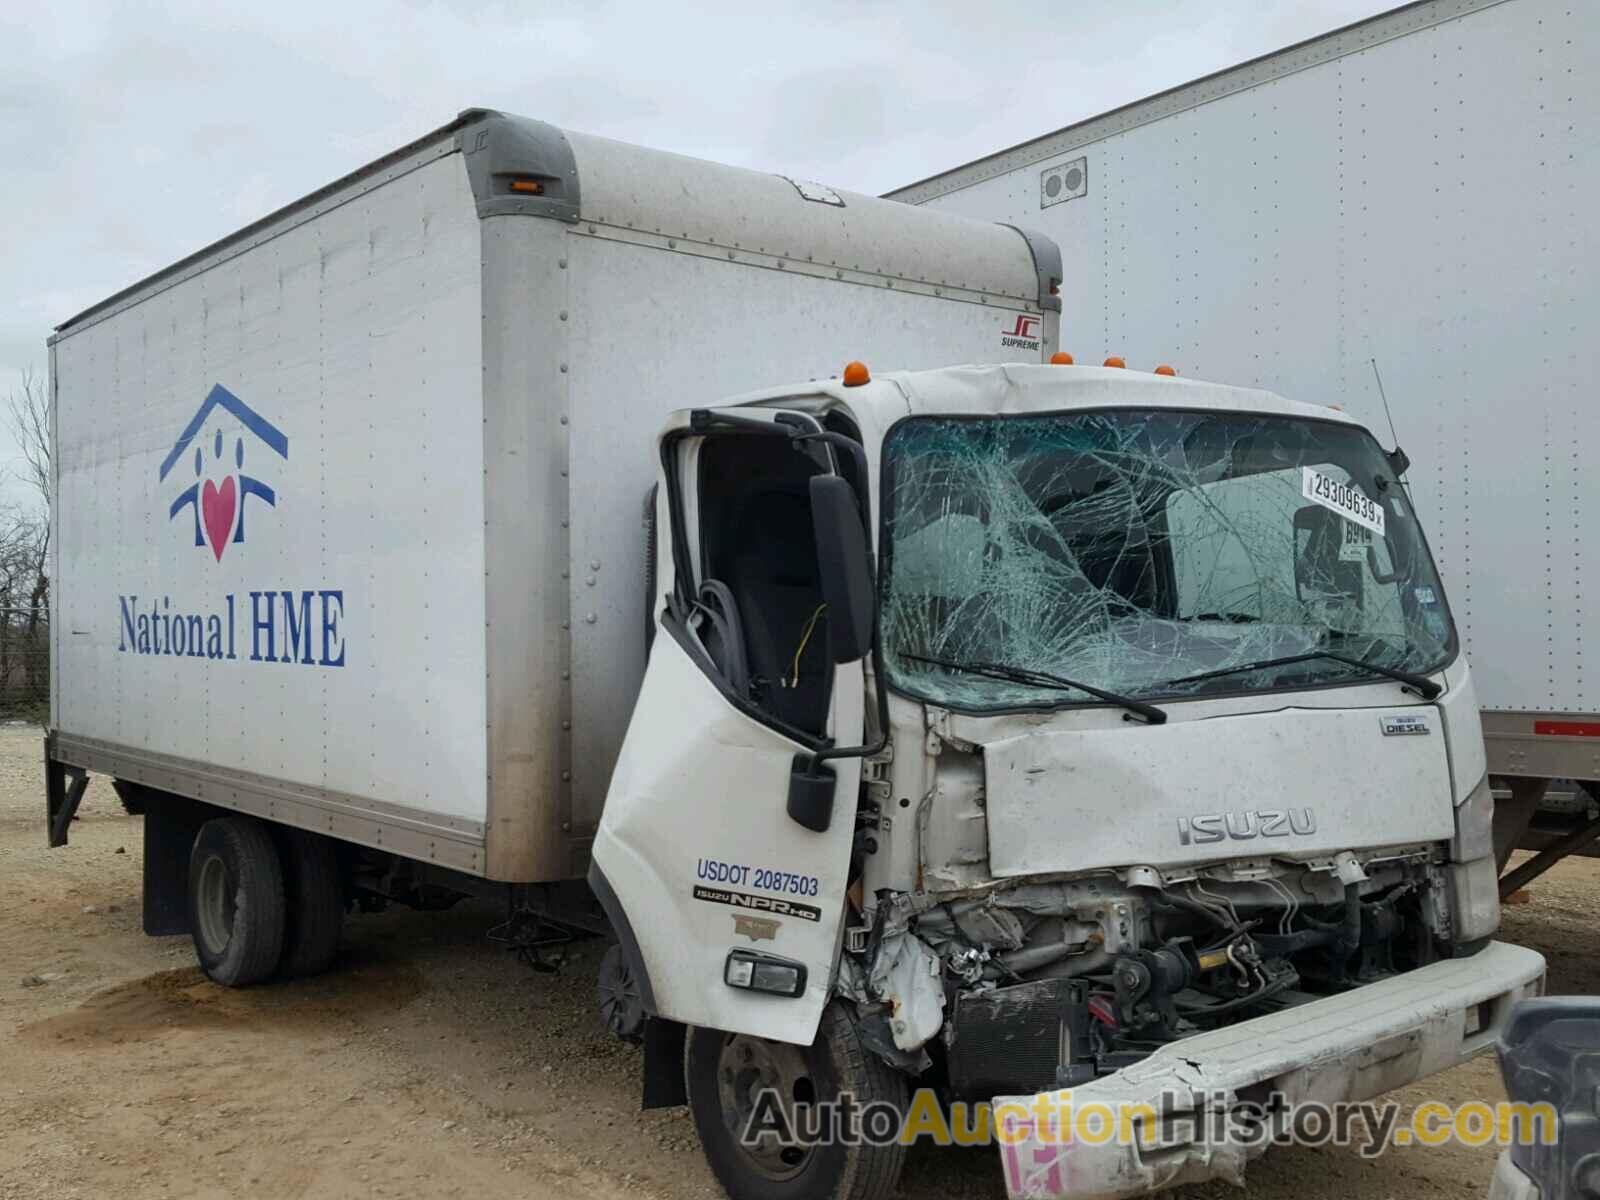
[855, 374]
[1114, 361]
[1163, 369]
[530, 186]
[1061, 358]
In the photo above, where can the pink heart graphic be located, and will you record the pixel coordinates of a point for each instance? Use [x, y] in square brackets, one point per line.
[216, 507]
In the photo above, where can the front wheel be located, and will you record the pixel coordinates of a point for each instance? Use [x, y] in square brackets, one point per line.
[735, 1084]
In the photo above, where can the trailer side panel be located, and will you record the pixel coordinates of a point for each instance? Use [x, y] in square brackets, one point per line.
[270, 514]
[1408, 198]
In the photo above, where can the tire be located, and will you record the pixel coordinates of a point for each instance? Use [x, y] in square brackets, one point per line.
[837, 1062]
[236, 904]
[313, 887]
[621, 1002]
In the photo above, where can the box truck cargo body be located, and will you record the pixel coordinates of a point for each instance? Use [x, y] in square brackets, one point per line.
[344, 535]
[1395, 218]
[499, 521]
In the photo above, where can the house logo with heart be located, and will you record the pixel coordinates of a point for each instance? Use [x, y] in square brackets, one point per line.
[217, 499]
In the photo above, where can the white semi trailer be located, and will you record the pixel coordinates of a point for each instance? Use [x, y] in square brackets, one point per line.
[1395, 218]
[993, 728]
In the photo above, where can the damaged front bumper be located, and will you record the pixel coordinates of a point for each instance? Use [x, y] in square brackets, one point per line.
[1349, 1047]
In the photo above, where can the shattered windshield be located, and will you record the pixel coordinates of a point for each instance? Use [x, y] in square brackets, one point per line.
[1135, 550]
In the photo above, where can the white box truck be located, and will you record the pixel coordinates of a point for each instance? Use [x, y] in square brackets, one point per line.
[997, 729]
[1395, 218]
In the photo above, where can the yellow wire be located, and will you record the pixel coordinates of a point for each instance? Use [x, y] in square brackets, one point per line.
[811, 625]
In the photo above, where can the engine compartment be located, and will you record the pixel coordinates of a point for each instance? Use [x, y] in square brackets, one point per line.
[1044, 984]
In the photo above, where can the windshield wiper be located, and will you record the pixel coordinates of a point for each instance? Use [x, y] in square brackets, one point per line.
[1420, 684]
[1151, 714]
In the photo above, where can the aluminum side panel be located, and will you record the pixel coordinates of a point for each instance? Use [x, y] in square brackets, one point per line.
[1388, 26]
[412, 832]
[1424, 203]
[525, 452]
[354, 339]
[653, 330]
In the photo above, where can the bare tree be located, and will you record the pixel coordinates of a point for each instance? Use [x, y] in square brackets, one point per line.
[25, 547]
[29, 419]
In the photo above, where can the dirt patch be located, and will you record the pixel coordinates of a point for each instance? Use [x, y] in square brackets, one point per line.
[185, 999]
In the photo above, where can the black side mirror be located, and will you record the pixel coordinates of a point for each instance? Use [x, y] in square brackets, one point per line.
[846, 570]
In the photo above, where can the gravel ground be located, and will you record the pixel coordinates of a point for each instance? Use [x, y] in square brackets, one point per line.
[432, 1064]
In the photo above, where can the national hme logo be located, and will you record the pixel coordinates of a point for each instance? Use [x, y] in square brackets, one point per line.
[286, 627]
[218, 509]
[302, 626]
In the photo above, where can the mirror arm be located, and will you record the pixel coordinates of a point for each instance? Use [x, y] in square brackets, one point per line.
[875, 747]
[704, 420]
[681, 596]
[867, 750]
[811, 785]
[855, 450]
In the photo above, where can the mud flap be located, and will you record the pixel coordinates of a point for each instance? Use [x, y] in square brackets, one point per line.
[664, 1085]
[170, 825]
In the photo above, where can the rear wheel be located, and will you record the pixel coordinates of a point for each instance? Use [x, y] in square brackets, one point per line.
[236, 903]
[313, 889]
[728, 1076]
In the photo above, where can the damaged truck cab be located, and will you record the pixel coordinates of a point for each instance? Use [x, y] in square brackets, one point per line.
[1019, 728]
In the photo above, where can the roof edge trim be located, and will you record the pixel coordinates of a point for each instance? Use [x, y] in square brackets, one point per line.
[1046, 264]
[1326, 47]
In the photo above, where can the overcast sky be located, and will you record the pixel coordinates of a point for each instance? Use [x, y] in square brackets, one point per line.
[133, 133]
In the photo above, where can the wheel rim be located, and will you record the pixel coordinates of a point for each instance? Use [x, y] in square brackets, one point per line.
[747, 1067]
[214, 895]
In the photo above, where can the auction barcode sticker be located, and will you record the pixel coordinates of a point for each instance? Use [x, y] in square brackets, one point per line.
[1343, 497]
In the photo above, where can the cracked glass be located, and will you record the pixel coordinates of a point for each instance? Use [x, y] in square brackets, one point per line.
[1136, 550]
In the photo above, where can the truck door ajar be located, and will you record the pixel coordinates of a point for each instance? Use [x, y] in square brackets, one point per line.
[723, 851]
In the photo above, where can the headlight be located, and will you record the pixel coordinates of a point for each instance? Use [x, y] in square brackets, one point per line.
[754, 971]
[1474, 825]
